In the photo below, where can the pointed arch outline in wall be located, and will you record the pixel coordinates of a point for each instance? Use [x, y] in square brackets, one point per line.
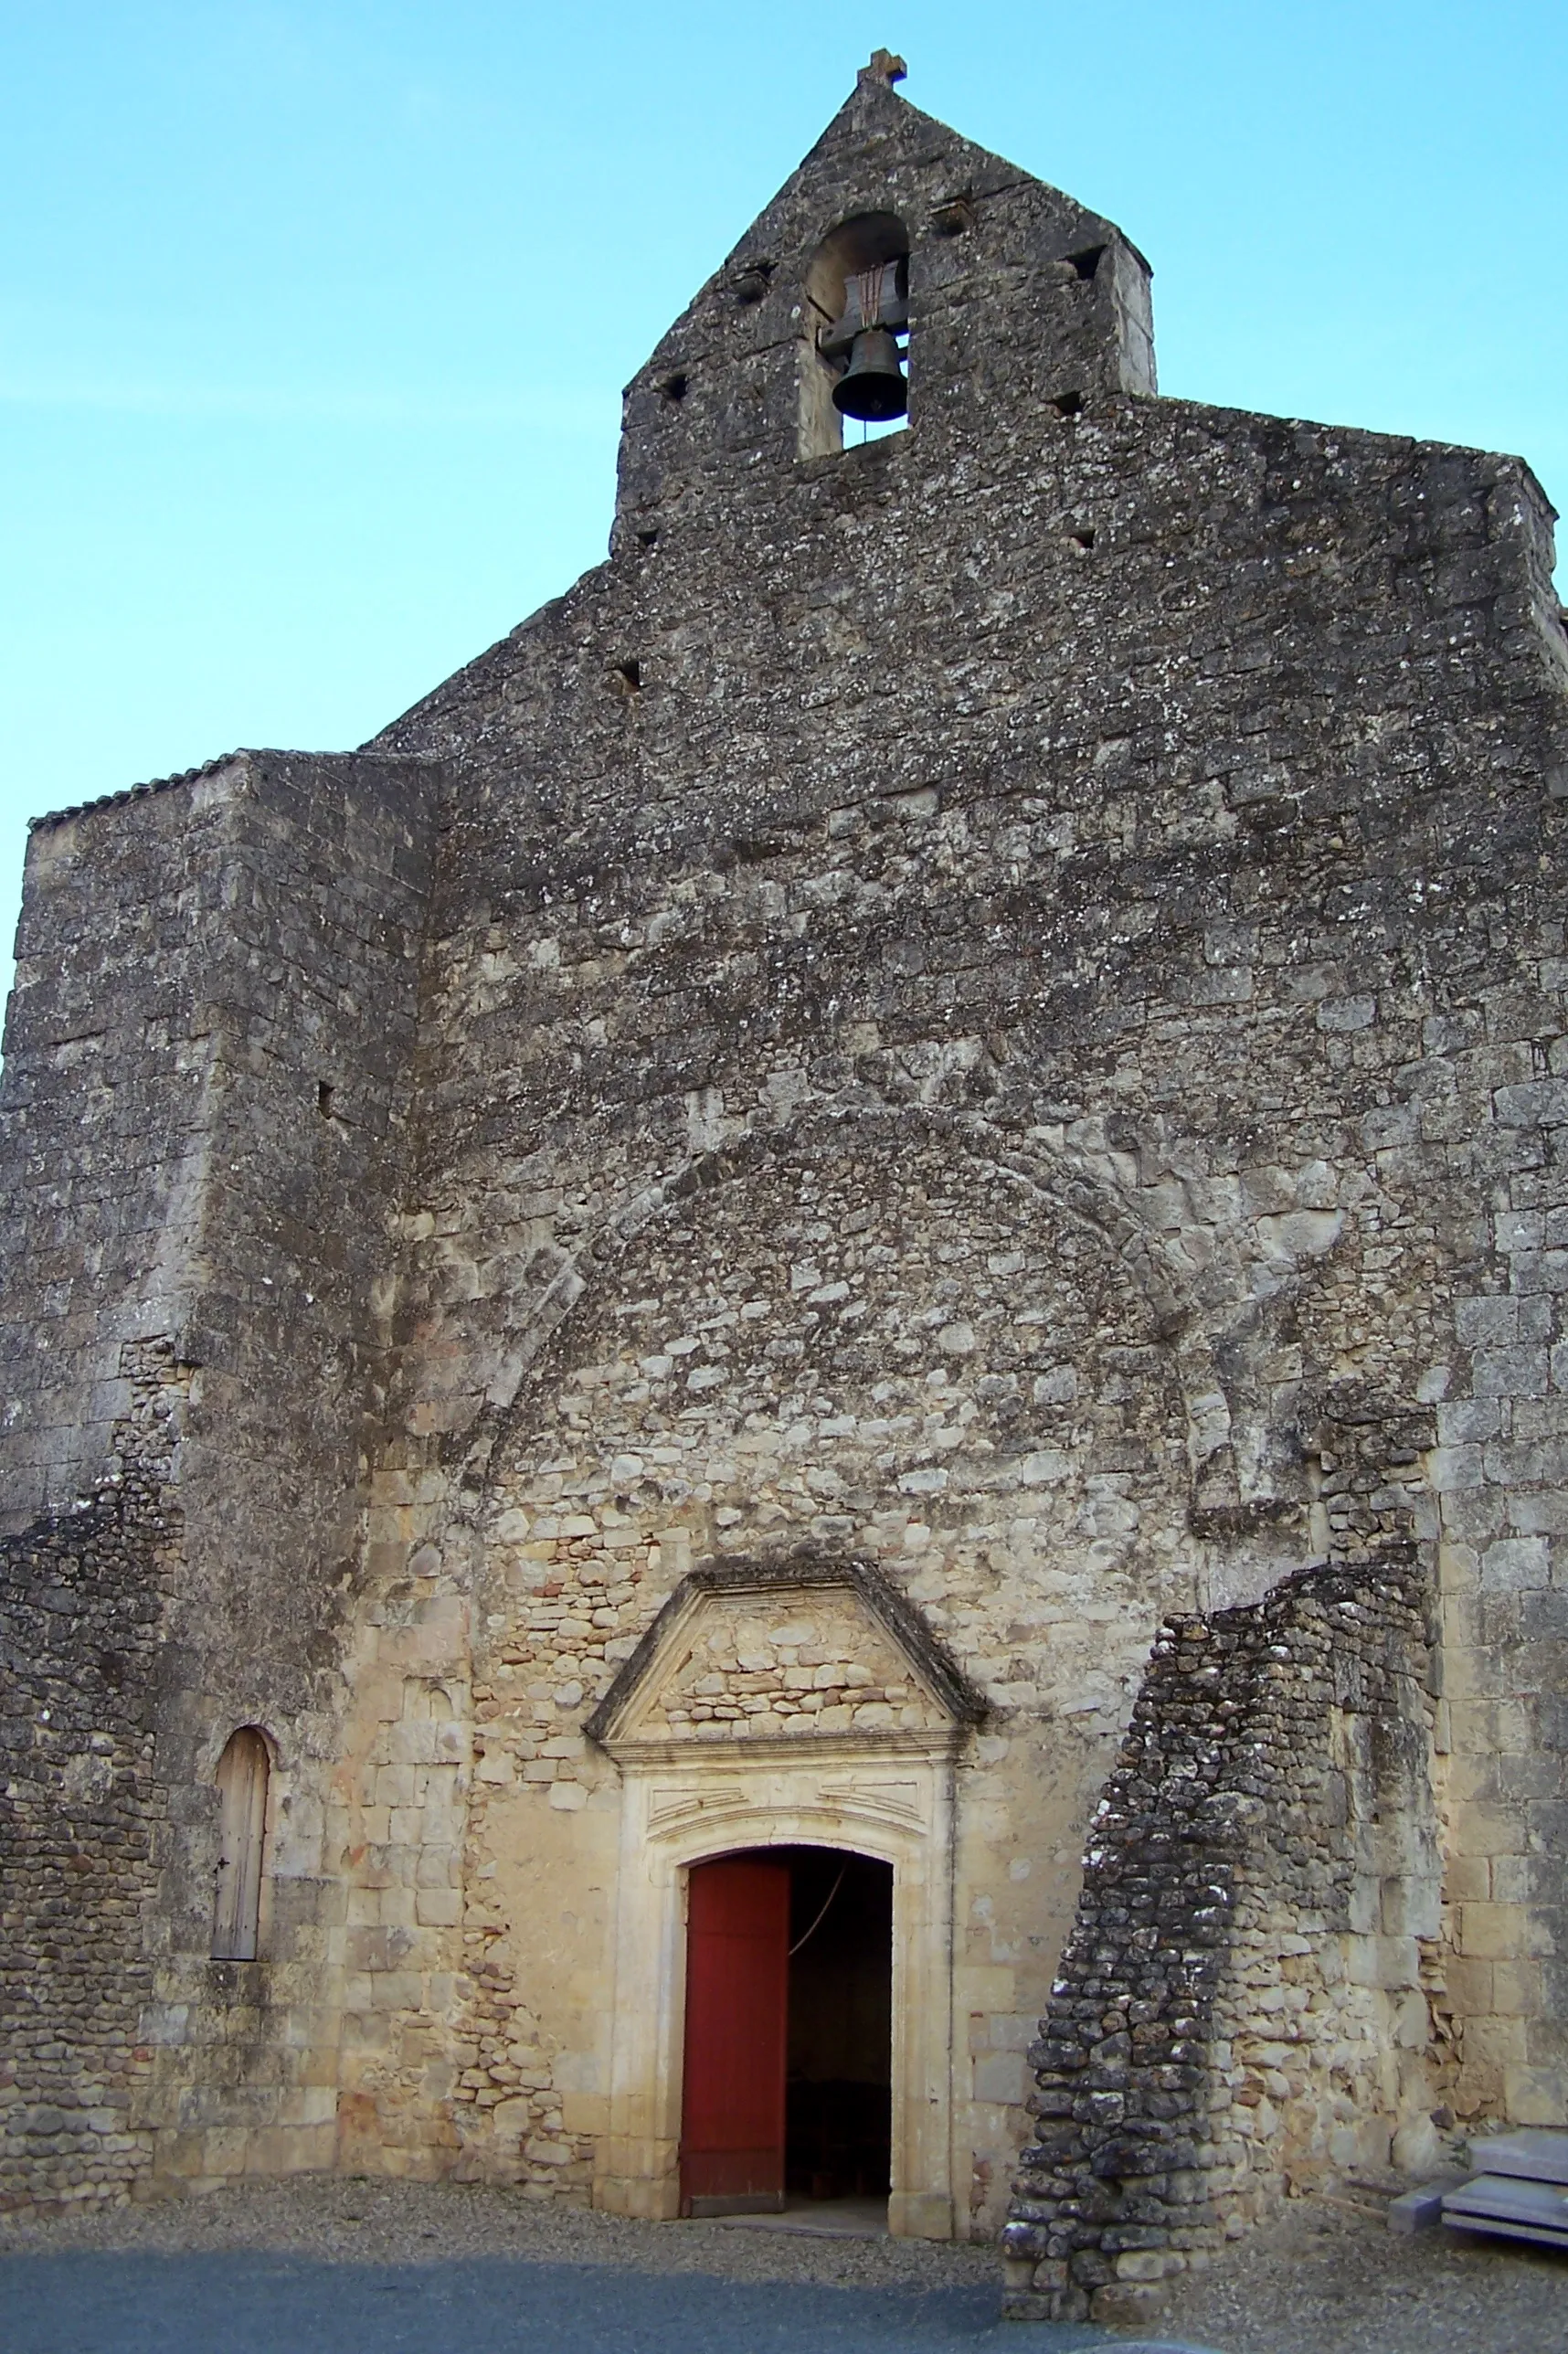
[244, 1777]
[1191, 1315]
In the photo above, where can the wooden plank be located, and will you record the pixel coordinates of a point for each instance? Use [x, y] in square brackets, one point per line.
[242, 1784]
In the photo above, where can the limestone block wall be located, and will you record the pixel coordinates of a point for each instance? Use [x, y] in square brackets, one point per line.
[110, 1057]
[215, 1005]
[314, 996]
[1011, 282]
[1502, 1732]
[991, 1001]
[412, 2018]
[797, 1353]
[1197, 915]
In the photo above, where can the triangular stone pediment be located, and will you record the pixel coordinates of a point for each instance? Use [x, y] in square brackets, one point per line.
[748, 1653]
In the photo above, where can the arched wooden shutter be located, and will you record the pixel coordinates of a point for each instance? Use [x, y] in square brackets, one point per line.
[242, 1788]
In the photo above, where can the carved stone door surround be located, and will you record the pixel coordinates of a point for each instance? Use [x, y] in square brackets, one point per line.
[802, 1705]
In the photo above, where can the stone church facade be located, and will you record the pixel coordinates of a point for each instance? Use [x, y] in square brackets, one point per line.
[895, 1184]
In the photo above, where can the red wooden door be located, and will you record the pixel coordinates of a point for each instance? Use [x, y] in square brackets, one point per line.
[738, 1978]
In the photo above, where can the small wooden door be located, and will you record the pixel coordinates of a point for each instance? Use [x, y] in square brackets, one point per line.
[242, 1829]
[737, 1984]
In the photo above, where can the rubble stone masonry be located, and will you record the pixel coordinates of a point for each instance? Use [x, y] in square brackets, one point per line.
[83, 1598]
[1248, 1981]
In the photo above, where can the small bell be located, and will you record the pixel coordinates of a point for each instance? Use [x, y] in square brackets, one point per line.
[876, 310]
[873, 386]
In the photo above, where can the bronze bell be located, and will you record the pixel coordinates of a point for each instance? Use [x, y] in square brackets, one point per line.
[876, 310]
[873, 385]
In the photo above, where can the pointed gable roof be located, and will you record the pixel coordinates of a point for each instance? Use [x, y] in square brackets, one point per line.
[1018, 295]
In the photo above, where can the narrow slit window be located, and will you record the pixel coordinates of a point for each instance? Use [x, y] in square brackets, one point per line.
[242, 1776]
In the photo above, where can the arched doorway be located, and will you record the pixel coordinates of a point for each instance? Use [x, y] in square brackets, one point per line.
[787, 2077]
[881, 1790]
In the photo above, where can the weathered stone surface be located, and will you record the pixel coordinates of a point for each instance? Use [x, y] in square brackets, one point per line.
[212, 1018]
[81, 1600]
[1242, 2004]
[988, 1004]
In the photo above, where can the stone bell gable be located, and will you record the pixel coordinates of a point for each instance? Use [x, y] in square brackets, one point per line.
[1019, 299]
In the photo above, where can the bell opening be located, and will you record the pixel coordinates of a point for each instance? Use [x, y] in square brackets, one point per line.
[855, 323]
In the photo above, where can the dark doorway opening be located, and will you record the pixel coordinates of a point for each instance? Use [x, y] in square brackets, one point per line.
[838, 2085]
[788, 2078]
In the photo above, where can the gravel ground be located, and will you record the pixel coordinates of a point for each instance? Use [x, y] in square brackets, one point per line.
[323, 2262]
[339, 2219]
[1332, 2279]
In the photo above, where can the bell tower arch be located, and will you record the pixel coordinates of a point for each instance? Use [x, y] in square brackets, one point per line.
[854, 327]
[1021, 299]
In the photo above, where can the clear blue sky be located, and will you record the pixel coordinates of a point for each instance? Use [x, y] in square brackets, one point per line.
[314, 315]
